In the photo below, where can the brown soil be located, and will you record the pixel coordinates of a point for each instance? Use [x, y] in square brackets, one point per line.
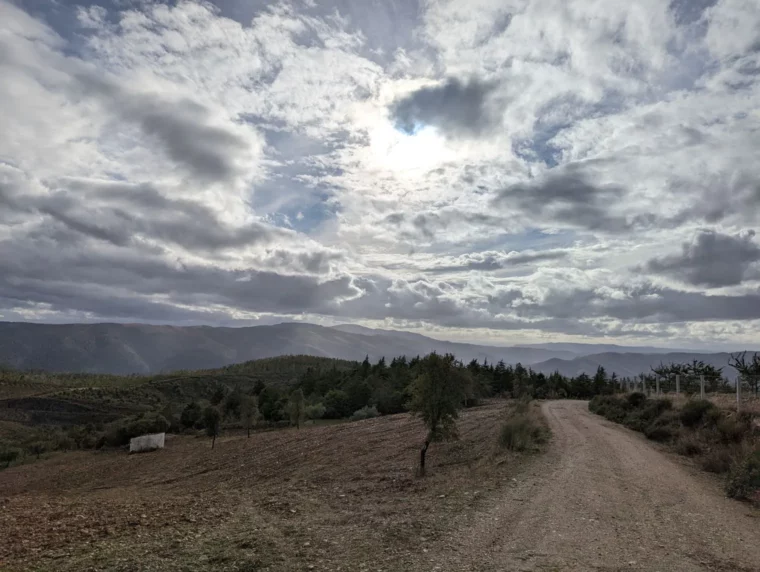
[604, 498]
[345, 498]
[329, 498]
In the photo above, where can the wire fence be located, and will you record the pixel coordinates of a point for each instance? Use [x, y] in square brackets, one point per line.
[742, 393]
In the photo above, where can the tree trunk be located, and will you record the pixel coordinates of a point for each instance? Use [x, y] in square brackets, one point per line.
[249, 430]
[422, 457]
[213, 441]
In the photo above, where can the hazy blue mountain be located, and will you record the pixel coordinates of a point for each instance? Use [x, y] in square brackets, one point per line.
[139, 348]
[630, 364]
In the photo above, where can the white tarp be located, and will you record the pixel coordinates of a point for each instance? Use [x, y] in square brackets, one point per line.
[147, 442]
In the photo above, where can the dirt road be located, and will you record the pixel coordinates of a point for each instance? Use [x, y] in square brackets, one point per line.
[603, 498]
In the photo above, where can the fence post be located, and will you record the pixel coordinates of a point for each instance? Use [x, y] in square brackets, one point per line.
[678, 384]
[701, 386]
[658, 385]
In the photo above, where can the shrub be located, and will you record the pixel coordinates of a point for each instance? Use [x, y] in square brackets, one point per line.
[744, 479]
[636, 399]
[365, 412]
[688, 446]
[7, 456]
[664, 428]
[717, 461]
[316, 411]
[521, 433]
[119, 433]
[694, 411]
[732, 430]
[191, 415]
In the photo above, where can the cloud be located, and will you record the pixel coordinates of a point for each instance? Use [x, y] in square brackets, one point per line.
[491, 261]
[503, 169]
[457, 107]
[711, 259]
[567, 197]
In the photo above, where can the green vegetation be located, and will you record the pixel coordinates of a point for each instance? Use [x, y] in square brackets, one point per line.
[524, 430]
[68, 411]
[297, 408]
[744, 478]
[212, 420]
[365, 412]
[722, 441]
[437, 393]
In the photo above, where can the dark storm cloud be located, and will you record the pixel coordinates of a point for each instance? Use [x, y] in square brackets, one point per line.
[568, 197]
[119, 283]
[184, 129]
[120, 213]
[456, 107]
[712, 259]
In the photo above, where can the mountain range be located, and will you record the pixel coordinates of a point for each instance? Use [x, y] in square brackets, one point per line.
[144, 349]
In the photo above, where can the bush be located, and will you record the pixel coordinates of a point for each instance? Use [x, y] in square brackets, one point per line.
[365, 412]
[732, 430]
[521, 433]
[664, 428]
[316, 411]
[119, 433]
[744, 479]
[636, 399]
[688, 446]
[694, 411]
[717, 461]
[191, 415]
[7, 456]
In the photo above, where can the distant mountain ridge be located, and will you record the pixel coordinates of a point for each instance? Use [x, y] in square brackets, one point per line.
[143, 349]
[631, 364]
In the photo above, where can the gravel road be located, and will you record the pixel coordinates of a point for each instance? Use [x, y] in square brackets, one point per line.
[603, 498]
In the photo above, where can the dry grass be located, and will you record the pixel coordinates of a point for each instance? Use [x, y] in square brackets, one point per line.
[723, 401]
[334, 498]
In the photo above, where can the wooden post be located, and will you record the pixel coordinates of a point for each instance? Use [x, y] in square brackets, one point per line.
[658, 385]
[701, 386]
[678, 385]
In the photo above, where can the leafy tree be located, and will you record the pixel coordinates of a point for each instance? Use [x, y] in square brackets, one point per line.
[7, 456]
[315, 411]
[232, 403]
[191, 414]
[259, 387]
[436, 396]
[359, 393]
[218, 395]
[249, 411]
[212, 419]
[296, 408]
[269, 404]
[337, 404]
[37, 448]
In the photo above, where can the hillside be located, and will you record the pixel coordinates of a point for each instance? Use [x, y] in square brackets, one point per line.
[125, 349]
[145, 349]
[630, 364]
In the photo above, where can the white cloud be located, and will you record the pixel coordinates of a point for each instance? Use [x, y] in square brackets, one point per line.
[510, 168]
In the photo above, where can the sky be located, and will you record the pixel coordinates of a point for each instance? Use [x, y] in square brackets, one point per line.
[494, 171]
